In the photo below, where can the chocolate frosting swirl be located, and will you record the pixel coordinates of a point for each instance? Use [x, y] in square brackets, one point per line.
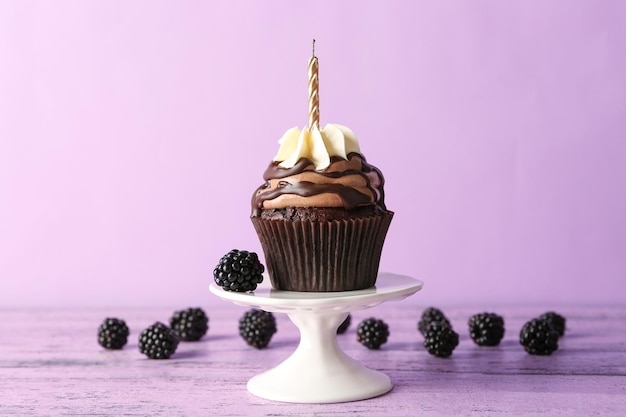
[347, 183]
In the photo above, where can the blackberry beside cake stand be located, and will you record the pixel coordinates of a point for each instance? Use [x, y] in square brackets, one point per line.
[319, 371]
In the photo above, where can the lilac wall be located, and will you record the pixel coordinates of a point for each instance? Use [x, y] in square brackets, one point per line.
[132, 135]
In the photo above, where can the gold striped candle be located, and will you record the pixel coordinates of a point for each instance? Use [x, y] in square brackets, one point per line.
[314, 97]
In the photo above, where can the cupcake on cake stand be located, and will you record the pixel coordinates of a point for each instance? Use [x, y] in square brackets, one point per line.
[321, 219]
[319, 371]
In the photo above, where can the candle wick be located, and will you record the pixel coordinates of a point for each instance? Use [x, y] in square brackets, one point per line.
[313, 53]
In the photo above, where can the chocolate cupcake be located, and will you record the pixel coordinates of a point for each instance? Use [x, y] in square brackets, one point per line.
[320, 215]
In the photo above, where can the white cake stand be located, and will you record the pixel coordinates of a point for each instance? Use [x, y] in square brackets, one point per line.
[319, 371]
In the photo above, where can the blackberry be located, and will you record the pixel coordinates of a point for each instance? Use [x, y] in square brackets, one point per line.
[257, 327]
[486, 329]
[556, 321]
[239, 271]
[372, 333]
[190, 324]
[440, 340]
[158, 341]
[430, 315]
[344, 325]
[112, 333]
[538, 337]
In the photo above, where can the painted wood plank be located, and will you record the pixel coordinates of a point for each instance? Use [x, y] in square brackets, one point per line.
[50, 364]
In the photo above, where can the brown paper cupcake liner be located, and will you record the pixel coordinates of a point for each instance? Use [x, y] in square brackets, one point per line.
[340, 255]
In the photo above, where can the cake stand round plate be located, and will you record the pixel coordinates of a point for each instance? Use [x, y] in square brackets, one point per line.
[319, 371]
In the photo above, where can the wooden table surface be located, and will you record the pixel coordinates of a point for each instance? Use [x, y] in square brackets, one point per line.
[51, 364]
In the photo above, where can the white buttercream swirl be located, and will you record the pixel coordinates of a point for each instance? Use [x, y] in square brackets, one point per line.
[317, 145]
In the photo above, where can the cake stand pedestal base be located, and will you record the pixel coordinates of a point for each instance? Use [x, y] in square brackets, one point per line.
[319, 371]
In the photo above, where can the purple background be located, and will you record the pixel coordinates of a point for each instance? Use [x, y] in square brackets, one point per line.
[132, 135]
